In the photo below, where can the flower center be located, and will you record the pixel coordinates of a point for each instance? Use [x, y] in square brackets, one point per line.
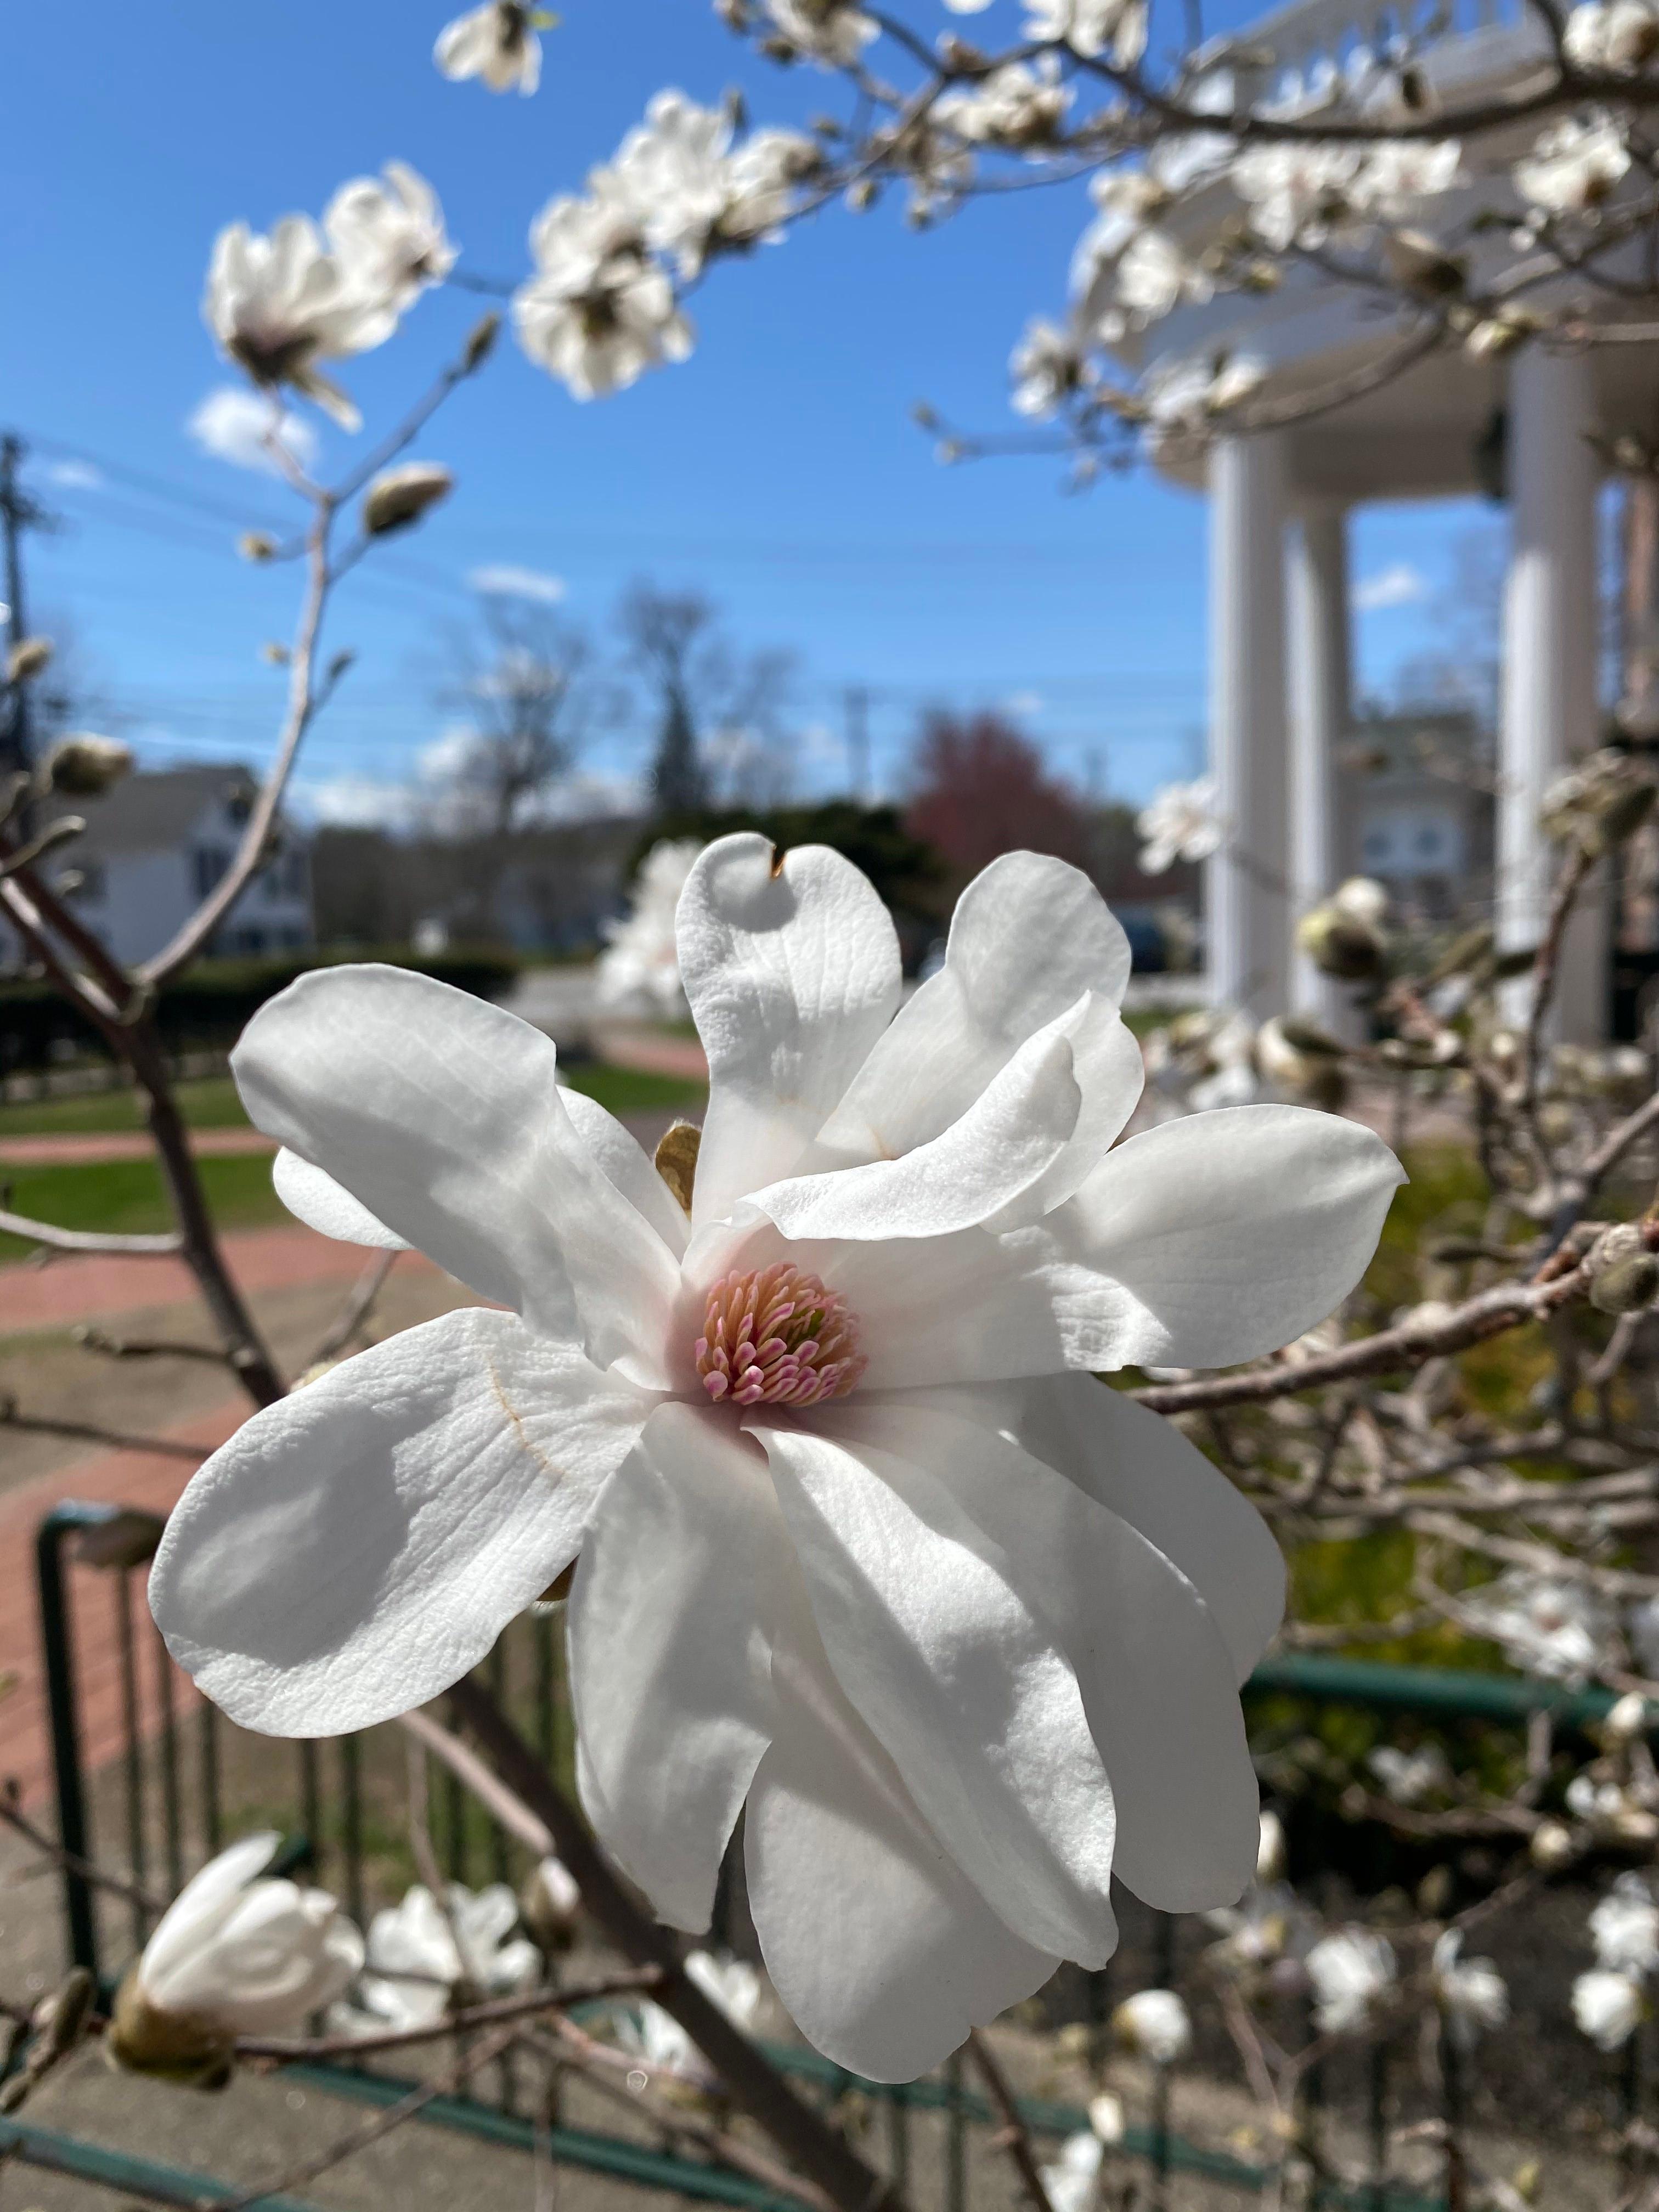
[777, 1338]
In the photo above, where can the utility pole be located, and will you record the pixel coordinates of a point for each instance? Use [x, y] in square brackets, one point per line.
[18, 512]
[858, 742]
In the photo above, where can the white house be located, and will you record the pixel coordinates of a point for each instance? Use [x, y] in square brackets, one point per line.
[155, 847]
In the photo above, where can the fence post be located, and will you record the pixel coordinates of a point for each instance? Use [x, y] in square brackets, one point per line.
[112, 1537]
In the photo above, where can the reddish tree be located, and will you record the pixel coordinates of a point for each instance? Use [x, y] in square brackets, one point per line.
[981, 789]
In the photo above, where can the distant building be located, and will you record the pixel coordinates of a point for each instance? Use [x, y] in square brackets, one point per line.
[1415, 810]
[155, 846]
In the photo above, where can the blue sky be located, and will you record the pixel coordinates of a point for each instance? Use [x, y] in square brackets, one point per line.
[778, 469]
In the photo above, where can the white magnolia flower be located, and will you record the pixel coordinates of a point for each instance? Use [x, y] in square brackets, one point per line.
[1573, 167]
[1270, 1852]
[421, 1953]
[1183, 822]
[692, 191]
[1154, 275]
[1472, 1993]
[1089, 26]
[1625, 1928]
[1187, 395]
[832, 33]
[1409, 1777]
[640, 967]
[1155, 2024]
[1612, 34]
[1072, 2182]
[1396, 178]
[1544, 1623]
[732, 1985]
[861, 1543]
[1015, 105]
[232, 1954]
[1348, 1971]
[278, 305]
[389, 239]
[1045, 366]
[1608, 2008]
[1296, 193]
[496, 42]
[1268, 1921]
[599, 312]
[1610, 1811]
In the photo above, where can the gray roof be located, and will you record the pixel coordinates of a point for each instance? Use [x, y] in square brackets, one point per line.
[149, 812]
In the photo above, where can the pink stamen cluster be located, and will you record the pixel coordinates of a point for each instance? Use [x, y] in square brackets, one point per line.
[777, 1338]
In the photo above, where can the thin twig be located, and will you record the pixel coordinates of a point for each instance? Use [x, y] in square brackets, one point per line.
[12, 1813]
[1014, 2137]
[168, 1246]
[356, 1310]
[41, 1425]
[487, 2013]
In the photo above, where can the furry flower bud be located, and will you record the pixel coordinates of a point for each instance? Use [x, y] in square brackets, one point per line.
[84, 766]
[29, 657]
[1623, 1274]
[400, 496]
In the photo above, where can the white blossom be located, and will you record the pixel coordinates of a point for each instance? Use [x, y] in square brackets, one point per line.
[1472, 1993]
[639, 969]
[1544, 1623]
[497, 43]
[1625, 1928]
[1016, 105]
[280, 304]
[1349, 1971]
[832, 33]
[1045, 366]
[421, 1953]
[1072, 2182]
[1182, 822]
[732, 1985]
[1608, 2008]
[1296, 193]
[1154, 275]
[1090, 27]
[1155, 2024]
[389, 239]
[1409, 1777]
[1612, 34]
[692, 191]
[842, 1492]
[1573, 167]
[233, 1954]
[599, 311]
[1187, 395]
[1396, 177]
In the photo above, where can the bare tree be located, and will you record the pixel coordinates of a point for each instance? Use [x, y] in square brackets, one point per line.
[720, 712]
[531, 698]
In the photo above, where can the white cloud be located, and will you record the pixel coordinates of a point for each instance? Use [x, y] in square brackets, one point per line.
[231, 425]
[1022, 705]
[1397, 585]
[501, 580]
[357, 802]
[75, 476]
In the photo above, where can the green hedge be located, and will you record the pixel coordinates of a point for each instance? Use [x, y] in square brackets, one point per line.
[209, 1004]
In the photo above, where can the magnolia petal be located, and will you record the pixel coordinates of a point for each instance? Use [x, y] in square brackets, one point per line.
[324, 1204]
[790, 967]
[624, 1162]
[355, 1548]
[1220, 1237]
[669, 1671]
[1156, 1679]
[883, 1951]
[1006, 1142]
[1030, 935]
[959, 1682]
[1140, 1466]
[208, 1894]
[442, 1116]
[1110, 1074]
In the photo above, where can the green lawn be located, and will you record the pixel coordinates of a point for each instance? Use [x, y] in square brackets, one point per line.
[126, 1196]
[211, 1103]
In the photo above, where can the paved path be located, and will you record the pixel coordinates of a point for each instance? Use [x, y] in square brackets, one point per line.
[68, 1148]
[95, 1285]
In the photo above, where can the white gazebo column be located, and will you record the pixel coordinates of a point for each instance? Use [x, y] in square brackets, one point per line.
[1246, 911]
[1320, 706]
[1549, 712]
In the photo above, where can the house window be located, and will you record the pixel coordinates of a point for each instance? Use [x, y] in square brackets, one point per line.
[208, 864]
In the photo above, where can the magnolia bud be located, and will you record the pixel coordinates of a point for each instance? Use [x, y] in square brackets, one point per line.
[481, 342]
[550, 1906]
[274, 652]
[1626, 1719]
[1351, 951]
[199, 2054]
[1623, 1274]
[1627, 813]
[1415, 262]
[400, 496]
[1552, 1846]
[1270, 1848]
[1106, 2118]
[82, 766]
[29, 657]
[256, 546]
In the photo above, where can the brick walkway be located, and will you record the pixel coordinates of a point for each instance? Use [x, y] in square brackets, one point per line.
[80, 1147]
[97, 1285]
